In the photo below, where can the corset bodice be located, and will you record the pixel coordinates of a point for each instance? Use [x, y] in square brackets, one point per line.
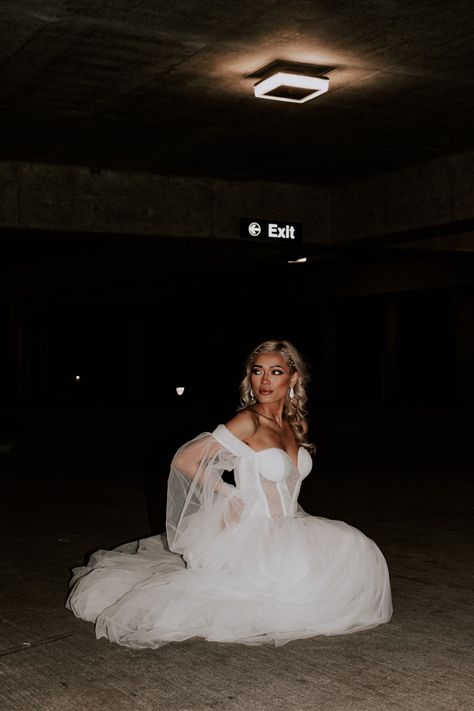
[275, 464]
[268, 480]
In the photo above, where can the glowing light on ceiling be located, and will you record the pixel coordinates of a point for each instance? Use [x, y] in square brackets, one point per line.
[296, 88]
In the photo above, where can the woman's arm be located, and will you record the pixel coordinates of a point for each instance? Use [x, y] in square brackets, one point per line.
[191, 456]
[244, 425]
[191, 460]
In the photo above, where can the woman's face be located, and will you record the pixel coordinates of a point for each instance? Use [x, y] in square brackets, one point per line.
[270, 377]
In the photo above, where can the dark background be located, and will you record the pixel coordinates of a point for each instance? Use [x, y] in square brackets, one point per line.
[131, 144]
[391, 386]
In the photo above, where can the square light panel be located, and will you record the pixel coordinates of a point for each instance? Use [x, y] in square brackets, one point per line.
[297, 88]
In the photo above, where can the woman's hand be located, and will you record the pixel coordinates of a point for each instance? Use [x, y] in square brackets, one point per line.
[234, 504]
[233, 513]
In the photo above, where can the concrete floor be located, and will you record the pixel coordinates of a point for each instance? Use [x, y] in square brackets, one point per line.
[405, 481]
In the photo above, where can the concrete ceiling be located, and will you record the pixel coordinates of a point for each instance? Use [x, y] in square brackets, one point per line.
[164, 87]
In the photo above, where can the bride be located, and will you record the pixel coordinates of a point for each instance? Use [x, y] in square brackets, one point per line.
[240, 563]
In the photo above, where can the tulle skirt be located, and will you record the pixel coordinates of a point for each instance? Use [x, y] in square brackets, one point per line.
[265, 581]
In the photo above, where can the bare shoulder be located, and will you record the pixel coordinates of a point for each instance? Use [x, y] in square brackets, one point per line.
[243, 425]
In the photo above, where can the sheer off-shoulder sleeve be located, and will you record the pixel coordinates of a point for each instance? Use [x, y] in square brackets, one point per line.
[200, 505]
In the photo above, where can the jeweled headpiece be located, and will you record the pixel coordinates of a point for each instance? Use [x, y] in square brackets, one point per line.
[283, 351]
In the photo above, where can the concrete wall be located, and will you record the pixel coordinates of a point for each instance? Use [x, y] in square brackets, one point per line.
[436, 193]
[71, 198]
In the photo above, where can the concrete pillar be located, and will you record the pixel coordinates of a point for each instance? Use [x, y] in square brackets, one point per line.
[391, 348]
[463, 321]
[130, 350]
[16, 350]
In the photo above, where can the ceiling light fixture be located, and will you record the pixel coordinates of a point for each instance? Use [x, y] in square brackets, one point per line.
[286, 86]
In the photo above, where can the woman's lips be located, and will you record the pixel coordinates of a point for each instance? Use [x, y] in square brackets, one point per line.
[265, 392]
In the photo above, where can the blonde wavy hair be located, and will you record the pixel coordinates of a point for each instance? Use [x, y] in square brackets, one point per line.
[294, 410]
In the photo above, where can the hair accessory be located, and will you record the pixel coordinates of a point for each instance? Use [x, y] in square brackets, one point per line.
[283, 351]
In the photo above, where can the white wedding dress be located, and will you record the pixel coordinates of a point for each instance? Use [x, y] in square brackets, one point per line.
[238, 564]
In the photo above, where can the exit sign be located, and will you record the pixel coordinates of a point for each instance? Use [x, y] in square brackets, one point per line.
[274, 230]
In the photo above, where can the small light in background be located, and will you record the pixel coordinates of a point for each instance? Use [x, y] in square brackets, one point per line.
[78, 377]
[180, 390]
[298, 261]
